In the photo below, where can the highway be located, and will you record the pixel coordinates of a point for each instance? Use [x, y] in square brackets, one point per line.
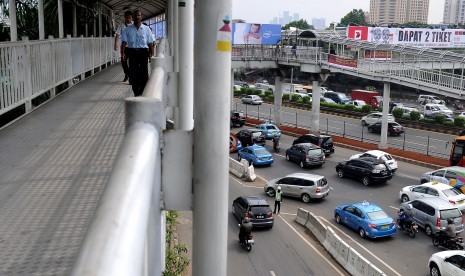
[283, 251]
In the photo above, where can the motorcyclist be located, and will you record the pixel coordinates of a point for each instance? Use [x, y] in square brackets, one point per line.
[275, 142]
[246, 228]
[405, 217]
[450, 229]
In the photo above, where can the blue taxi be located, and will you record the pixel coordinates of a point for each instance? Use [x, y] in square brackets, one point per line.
[367, 218]
[269, 130]
[255, 155]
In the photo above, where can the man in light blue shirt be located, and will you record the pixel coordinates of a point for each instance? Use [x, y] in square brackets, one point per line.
[138, 48]
[119, 32]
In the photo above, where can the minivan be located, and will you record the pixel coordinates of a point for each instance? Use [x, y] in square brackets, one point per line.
[337, 97]
[303, 185]
[323, 141]
[431, 214]
[306, 154]
[254, 207]
[444, 175]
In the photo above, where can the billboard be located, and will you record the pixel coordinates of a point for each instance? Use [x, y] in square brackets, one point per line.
[254, 33]
[418, 37]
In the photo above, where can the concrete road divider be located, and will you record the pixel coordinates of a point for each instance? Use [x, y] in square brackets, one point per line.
[249, 173]
[236, 168]
[302, 216]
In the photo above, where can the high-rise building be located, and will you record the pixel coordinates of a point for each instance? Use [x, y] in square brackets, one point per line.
[319, 23]
[398, 11]
[454, 12]
[296, 17]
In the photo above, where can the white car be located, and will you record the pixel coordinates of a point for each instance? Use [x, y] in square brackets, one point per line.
[434, 189]
[357, 103]
[381, 155]
[450, 262]
[252, 99]
[374, 118]
[407, 110]
[462, 115]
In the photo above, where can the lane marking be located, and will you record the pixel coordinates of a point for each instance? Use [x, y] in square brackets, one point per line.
[262, 178]
[394, 207]
[364, 248]
[272, 273]
[318, 252]
[406, 176]
[290, 214]
[242, 184]
[280, 155]
[331, 188]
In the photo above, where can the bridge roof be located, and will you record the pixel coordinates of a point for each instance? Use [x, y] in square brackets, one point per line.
[148, 8]
[309, 33]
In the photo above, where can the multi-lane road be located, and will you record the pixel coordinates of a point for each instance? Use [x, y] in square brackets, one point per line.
[288, 249]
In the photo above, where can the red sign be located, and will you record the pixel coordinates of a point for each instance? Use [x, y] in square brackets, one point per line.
[350, 63]
[357, 32]
[378, 55]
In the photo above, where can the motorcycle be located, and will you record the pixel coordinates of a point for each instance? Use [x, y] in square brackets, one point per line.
[410, 228]
[441, 239]
[247, 241]
[276, 147]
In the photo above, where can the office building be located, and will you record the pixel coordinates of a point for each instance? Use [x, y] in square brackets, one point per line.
[319, 23]
[285, 19]
[454, 12]
[398, 11]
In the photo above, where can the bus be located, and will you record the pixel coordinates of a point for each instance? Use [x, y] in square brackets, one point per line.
[457, 152]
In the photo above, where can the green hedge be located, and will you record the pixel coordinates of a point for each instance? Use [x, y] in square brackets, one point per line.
[295, 98]
[415, 115]
[429, 121]
[367, 108]
[306, 99]
[459, 121]
[398, 113]
[439, 118]
[447, 123]
[286, 97]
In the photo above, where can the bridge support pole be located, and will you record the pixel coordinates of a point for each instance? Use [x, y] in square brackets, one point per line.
[315, 119]
[384, 127]
[278, 100]
[13, 22]
[40, 10]
[60, 19]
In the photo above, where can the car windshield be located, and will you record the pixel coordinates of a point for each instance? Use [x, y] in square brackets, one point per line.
[262, 209]
[443, 107]
[451, 192]
[314, 152]
[380, 167]
[328, 140]
[270, 127]
[377, 215]
[260, 152]
[435, 108]
[450, 213]
[322, 182]
[256, 134]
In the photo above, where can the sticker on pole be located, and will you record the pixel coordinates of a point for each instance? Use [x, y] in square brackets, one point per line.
[233, 142]
[223, 36]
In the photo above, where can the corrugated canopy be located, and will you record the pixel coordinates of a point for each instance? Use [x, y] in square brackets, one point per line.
[148, 8]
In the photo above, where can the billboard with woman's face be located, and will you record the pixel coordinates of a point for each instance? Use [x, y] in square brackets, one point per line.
[254, 33]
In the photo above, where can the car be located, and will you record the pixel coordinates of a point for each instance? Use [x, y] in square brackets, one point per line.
[461, 115]
[252, 99]
[302, 185]
[254, 207]
[374, 118]
[237, 87]
[338, 97]
[434, 189]
[381, 155]
[407, 110]
[357, 103]
[453, 176]
[367, 218]
[251, 136]
[448, 117]
[237, 118]
[367, 169]
[423, 99]
[255, 155]
[450, 262]
[269, 130]
[306, 154]
[323, 141]
[326, 100]
[393, 105]
[394, 129]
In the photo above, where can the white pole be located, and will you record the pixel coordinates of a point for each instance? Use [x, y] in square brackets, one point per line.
[186, 65]
[315, 120]
[291, 89]
[13, 23]
[60, 19]
[232, 89]
[100, 21]
[40, 8]
[212, 50]
[278, 100]
[384, 127]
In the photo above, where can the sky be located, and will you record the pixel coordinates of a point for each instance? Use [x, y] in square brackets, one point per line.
[263, 11]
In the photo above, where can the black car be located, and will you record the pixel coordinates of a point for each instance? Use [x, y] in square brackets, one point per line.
[367, 169]
[394, 129]
[306, 154]
[323, 141]
[237, 118]
[251, 136]
[254, 207]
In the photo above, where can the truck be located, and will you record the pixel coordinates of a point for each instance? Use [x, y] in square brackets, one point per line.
[289, 88]
[369, 97]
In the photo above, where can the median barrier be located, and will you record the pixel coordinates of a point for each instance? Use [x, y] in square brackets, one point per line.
[317, 228]
[302, 216]
[374, 271]
[330, 242]
[342, 251]
[353, 258]
[236, 168]
[249, 172]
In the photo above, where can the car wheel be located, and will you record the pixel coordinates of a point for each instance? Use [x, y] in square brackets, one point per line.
[287, 157]
[366, 180]
[364, 123]
[340, 173]
[270, 191]
[306, 198]
[361, 232]
[405, 198]
[302, 165]
[338, 218]
[423, 181]
[434, 270]
[428, 230]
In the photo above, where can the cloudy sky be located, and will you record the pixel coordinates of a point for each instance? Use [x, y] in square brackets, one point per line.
[263, 11]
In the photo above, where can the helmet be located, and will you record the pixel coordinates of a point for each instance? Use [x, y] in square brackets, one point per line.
[450, 221]
[246, 220]
[409, 206]
[279, 188]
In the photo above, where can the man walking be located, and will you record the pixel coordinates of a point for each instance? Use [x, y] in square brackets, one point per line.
[278, 198]
[138, 48]
[119, 32]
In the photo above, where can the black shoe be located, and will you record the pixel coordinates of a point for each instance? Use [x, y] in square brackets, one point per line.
[126, 77]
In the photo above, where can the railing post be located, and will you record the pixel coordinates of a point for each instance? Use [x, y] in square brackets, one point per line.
[258, 112]
[270, 116]
[362, 132]
[53, 63]
[344, 130]
[28, 77]
[327, 126]
[427, 147]
[403, 144]
[296, 119]
[246, 111]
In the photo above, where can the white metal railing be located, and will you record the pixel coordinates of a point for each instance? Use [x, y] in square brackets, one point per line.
[31, 68]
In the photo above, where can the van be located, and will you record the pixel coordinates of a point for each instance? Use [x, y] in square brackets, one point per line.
[445, 175]
[303, 185]
[424, 99]
[431, 214]
[337, 97]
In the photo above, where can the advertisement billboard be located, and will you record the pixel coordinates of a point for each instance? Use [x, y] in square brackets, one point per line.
[254, 33]
[419, 37]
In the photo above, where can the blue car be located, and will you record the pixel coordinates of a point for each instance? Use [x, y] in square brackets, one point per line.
[269, 130]
[256, 155]
[367, 218]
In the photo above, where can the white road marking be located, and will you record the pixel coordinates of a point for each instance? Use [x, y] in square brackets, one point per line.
[242, 184]
[374, 256]
[291, 214]
[331, 188]
[394, 207]
[318, 252]
[407, 176]
[280, 155]
[272, 273]
[262, 178]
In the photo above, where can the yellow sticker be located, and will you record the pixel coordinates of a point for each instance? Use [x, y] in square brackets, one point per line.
[223, 36]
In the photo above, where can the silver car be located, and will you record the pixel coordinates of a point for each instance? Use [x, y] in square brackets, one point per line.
[252, 99]
[303, 185]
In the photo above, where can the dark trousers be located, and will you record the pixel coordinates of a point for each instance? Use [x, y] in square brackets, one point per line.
[125, 65]
[277, 204]
[138, 69]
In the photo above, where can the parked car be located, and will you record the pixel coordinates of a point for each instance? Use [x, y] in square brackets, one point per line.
[303, 185]
[423, 99]
[374, 118]
[306, 154]
[254, 207]
[394, 129]
[357, 103]
[252, 99]
[326, 100]
[337, 97]
[255, 155]
[269, 130]
[408, 110]
[367, 169]
[378, 154]
[431, 214]
[434, 189]
[323, 141]
[251, 136]
[237, 118]
[367, 218]
[450, 262]
[448, 117]
[445, 175]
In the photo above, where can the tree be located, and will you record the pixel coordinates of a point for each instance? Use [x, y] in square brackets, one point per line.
[355, 17]
[301, 24]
